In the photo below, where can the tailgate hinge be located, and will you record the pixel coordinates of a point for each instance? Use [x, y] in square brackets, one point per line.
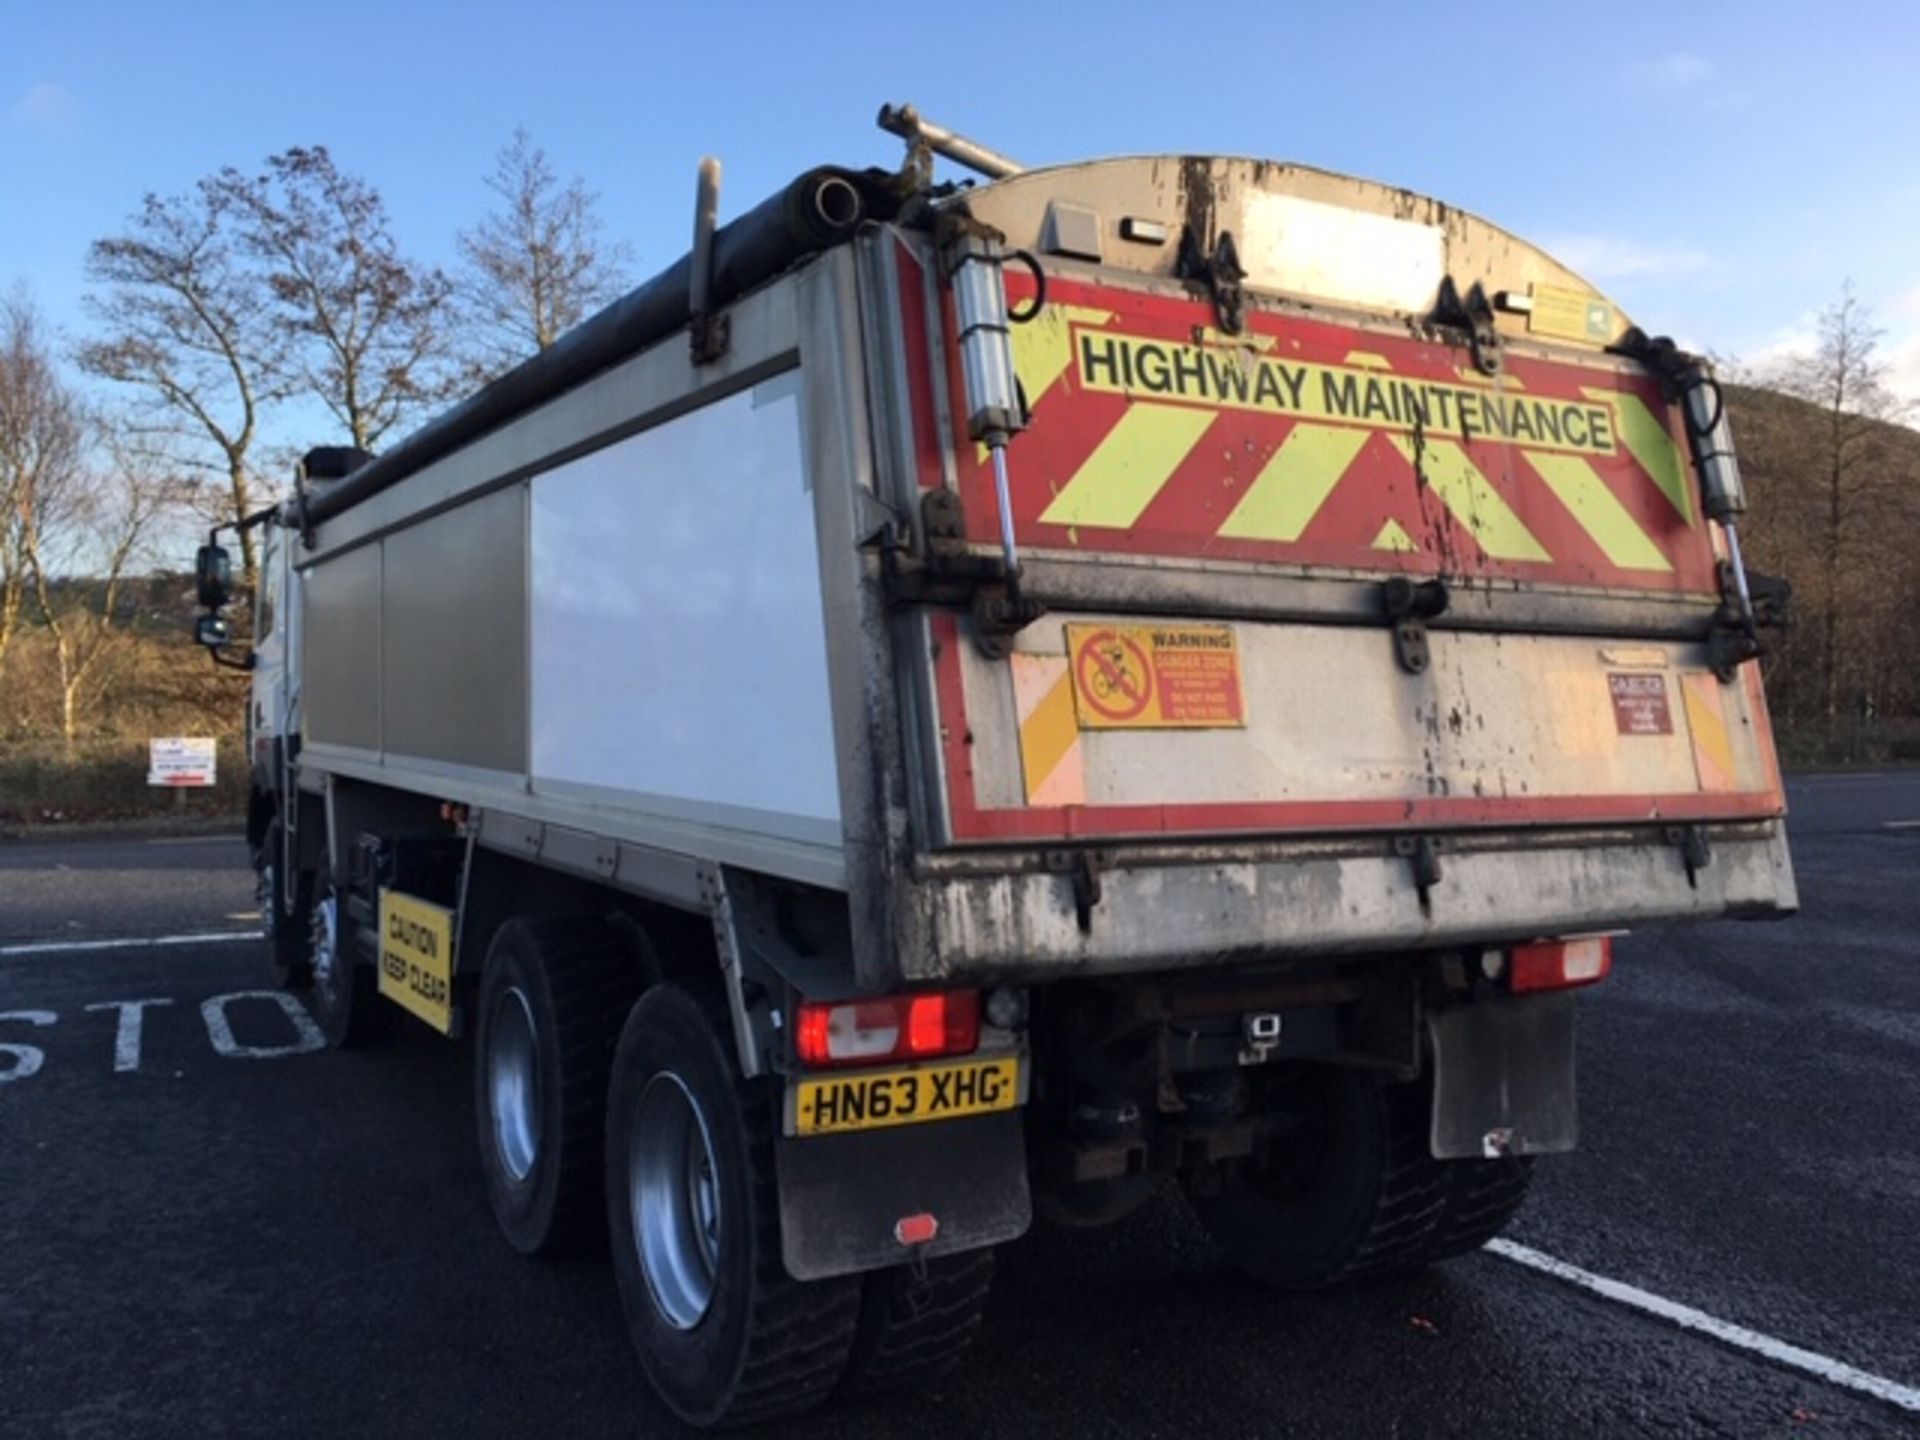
[1409, 606]
[1474, 315]
[1735, 636]
[952, 572]
[1422, 852]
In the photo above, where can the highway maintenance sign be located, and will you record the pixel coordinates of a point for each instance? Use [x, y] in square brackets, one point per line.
[1305, 441]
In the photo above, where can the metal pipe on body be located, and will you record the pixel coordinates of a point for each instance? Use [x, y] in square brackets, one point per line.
[820, 209]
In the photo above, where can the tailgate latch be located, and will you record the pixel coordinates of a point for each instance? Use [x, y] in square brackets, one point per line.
[1409, 606]
[1422, 853]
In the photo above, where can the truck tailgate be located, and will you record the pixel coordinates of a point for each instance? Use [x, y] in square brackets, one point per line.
[1289, 472]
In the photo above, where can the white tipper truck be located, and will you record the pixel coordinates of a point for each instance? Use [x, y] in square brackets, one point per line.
[956, 701]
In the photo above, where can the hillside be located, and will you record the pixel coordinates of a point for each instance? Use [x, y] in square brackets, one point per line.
[1836, 511]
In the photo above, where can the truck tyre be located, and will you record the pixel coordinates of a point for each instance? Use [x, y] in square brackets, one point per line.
[1482, 1197]
[915, 1327]
[289, 929]
[1355, 1194]
[343, 995]
[725, 1335]
[552, 995]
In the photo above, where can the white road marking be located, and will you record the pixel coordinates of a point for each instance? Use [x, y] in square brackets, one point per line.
[1901, 824]
[126, 1038]
[27, 1059]
[129, 942]
[1821, 1367]
[214, 1011]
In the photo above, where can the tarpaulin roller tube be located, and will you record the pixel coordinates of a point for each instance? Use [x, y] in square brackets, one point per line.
[821, 208]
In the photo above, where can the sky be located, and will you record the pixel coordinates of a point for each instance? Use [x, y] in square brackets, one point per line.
[1719, 169]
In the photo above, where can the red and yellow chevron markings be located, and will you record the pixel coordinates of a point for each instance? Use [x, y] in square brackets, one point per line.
[1208, 443]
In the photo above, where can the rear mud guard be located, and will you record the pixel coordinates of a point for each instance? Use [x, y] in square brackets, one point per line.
[842, 1197]
[1503, 1078]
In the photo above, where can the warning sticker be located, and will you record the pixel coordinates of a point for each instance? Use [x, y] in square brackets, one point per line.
[416, 957]
[1640, 704]
[1569, 314]
[1156, 677]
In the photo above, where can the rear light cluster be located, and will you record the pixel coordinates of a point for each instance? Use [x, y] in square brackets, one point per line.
[1559, 964]
[899, 1027]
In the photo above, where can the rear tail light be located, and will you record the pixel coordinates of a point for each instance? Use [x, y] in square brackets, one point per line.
[1560, 964]
[899, 1027]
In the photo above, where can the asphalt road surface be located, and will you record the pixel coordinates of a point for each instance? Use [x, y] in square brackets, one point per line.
[209, 1227]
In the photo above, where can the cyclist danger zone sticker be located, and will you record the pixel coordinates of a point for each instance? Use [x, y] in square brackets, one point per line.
[1156, 677]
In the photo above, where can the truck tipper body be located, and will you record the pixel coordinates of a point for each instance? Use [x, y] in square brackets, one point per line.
[960, 702]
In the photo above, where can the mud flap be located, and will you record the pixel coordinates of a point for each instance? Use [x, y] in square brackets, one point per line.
[842, 1195]
[1503, 1078]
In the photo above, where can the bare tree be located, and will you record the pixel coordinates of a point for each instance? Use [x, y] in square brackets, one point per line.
[535, 266]
[95, 520]
[1846, 379]
[63, 515]
[40, 451]
[365, 323]
[189, 327]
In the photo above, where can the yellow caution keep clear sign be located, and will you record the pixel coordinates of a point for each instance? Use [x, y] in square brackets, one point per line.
[416, 957]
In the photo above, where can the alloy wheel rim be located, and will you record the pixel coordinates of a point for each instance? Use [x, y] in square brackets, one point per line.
[513, 1082]
[674, 1195]
[325, 950]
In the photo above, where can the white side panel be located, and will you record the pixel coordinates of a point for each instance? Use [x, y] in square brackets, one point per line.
[679, 649]
[1334, 253]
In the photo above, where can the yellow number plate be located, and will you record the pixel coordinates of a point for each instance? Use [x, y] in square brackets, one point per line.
[830, 1104]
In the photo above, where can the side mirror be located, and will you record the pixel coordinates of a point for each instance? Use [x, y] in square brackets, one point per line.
[212, 631]
[213, 577]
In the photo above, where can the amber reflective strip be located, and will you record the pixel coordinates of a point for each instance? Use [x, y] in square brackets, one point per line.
[1129, 467]
[1707, 725]
[1599, 511]
[1292, 486]
[1051, 760]
[1471, 498]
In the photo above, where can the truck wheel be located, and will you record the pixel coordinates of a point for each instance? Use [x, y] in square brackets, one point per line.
[552, 996]
[725, 1335]
[343, 997]
[289, 930]
[916, 1327]
[1354, 1193]
[1482, 1197]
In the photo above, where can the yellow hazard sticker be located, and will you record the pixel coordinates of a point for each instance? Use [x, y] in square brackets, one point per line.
[1564, 313]
[1156, 677]
[416, 957]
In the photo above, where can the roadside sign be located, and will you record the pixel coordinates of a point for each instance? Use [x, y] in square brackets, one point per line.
[176, 761]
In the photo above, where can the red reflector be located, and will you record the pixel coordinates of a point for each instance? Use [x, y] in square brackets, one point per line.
[1560, 964]
[915, 1229]
[900, 1027]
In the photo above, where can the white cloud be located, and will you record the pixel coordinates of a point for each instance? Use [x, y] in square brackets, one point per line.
[1602, 257]
[1786, 347]
[1906, 306]
[45, 106]
[1903, 367]
[1676, 70]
